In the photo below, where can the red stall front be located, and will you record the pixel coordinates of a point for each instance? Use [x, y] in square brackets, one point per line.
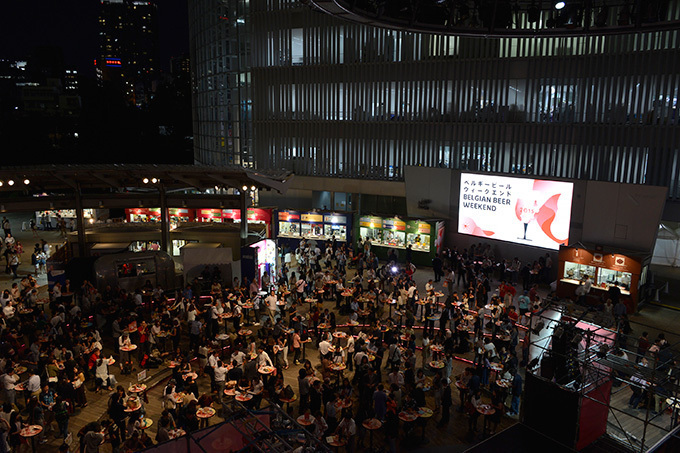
[255, 215]
[605, 270]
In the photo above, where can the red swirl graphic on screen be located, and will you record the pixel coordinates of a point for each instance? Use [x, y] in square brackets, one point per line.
[546, 215]
[470, 227]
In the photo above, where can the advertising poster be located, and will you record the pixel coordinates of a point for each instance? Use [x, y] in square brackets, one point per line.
[521, 210]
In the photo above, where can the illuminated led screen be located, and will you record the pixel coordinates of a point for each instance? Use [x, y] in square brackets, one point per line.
[524, 211]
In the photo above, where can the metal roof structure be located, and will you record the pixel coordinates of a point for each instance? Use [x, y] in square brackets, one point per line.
[50, 178]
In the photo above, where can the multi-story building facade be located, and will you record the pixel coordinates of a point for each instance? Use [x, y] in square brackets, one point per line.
[220, 34]
[338, 99]
[128, 46]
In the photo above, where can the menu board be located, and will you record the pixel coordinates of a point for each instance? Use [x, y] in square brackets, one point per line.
[209, 215]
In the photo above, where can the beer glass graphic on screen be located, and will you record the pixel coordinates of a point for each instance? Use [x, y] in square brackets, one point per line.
[526, 211]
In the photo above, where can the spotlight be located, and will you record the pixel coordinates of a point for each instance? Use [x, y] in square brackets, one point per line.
[1, 183]
[91, 220]
[145, 180]
[245, 188]
[559, 4]
[394, 269]
[253, 188]
[27, 181]
[154, 180]
[10, 182]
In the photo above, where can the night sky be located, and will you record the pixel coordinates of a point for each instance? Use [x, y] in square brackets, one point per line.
[72, 25]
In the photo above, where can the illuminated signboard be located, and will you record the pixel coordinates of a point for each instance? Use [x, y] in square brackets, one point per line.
[521, 210]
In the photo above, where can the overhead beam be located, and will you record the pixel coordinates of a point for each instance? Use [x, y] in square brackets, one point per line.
[120, 201]
[110, 181]
[70, 183]
[226, 181]
[190, 181]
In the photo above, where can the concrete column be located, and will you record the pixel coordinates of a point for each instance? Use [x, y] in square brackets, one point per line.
[165, 221]
[244, 217]
[80, 223]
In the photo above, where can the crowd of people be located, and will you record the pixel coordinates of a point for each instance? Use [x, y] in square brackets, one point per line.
[370, 349]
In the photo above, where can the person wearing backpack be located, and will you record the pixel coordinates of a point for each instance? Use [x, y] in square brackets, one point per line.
[61, 416]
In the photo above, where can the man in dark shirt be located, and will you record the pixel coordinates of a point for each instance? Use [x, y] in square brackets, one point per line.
[117, 410]
[236, 373]
[437, 267]
[516, 393]
[446, 403]
[250, 369]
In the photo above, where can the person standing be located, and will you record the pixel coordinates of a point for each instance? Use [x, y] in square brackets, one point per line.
[61, 416]
[446, 403]
[271, 306]
[220, 372]
[116, 409]
[14, 264]
[143, 331]
[6, 226]
[347, 429]
[449, 278]
[33, 386]
[643, 346]
[9, 380]
[300, 286]
[437, 267]
[516, 393]
[380, 402]
[297, 347]
[93, 439]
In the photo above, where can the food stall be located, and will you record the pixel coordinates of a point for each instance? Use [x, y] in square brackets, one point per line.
[51, 216]
[288, 224]
[142, 215]
[418, 235]
[424, 236]
[311, 225]
[292, 226]
[178, 215]
[319, 226]
[255, 215]
[605, 269]
[209, 215]
[335, 226]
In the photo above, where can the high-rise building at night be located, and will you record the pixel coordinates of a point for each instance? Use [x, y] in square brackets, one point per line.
[220, 60]
[128, 48]
[180, 67]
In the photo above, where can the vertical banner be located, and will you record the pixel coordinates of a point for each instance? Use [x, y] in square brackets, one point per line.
[439, 242]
